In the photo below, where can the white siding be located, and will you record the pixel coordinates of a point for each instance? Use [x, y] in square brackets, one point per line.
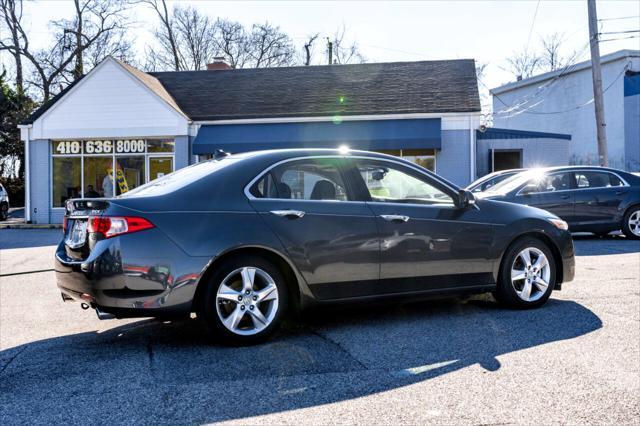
[109, 102]
[566, 93]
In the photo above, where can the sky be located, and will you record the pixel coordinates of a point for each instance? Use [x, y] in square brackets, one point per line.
[488, 31]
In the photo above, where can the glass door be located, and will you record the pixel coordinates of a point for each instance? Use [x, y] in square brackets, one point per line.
[159, 166]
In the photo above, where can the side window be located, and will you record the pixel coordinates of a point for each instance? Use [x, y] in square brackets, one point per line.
[265, 187]
[552, 182]
[387, 183]
[313, 179]
[586, 179]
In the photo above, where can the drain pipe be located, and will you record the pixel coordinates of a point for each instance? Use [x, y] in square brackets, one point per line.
[25, 131]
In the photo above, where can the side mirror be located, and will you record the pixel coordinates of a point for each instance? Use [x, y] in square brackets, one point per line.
[465, 199]
[529, 189]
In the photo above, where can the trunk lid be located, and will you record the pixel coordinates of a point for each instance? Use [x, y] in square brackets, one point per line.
[77, 212]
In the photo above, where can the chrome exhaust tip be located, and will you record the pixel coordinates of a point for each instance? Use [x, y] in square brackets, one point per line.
[104, 315]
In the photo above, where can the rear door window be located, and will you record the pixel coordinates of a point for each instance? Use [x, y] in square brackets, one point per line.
[596, 179]
[310, 179]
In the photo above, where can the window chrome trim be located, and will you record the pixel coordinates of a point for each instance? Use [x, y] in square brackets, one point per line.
[519, 193]
[405, 163]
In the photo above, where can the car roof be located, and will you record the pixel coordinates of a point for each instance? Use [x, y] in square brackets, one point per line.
[282, 154]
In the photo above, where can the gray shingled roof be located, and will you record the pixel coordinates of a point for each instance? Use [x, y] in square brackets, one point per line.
[384, 88]
[327, 90]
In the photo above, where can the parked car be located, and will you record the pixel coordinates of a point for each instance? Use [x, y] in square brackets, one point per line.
[588, 198]
[487, 181]
[252, 236]
[4, 203]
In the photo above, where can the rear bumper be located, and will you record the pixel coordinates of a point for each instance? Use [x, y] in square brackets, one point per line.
[123, 278]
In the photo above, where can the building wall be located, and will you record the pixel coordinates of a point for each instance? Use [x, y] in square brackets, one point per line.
[558, 104]
[536, 152]
[40, 181]
[632, 123]
[453, 161]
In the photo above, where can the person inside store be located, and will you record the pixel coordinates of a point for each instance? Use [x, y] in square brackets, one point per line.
[91, 193]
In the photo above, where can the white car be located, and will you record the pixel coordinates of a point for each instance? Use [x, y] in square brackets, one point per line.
[4, 203]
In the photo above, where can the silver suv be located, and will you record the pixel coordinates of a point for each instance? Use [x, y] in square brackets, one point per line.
[4, 203]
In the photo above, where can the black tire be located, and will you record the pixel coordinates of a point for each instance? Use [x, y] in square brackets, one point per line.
[4, 211]
[506, 292]
[626, 226]
[209, 308]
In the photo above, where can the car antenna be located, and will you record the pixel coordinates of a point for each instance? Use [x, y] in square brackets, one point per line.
[219, 153]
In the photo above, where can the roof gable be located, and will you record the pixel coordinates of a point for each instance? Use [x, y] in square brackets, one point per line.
[109, 101]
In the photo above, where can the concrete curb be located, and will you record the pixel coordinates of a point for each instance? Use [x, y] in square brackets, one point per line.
[30, 226]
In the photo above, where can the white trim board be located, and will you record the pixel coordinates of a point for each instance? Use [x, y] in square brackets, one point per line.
[450, 121]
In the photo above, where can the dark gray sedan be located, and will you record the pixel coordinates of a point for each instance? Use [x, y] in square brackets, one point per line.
[592, 199]
[241, 240]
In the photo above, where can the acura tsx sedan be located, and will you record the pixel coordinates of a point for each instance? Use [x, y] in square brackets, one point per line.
[241, 240]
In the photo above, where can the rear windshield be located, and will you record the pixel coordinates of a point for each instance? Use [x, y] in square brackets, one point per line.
[180, 178]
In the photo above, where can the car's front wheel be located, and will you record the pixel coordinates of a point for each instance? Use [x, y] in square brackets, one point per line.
[4, 211]
[245, 300]
[527, 274]
[631, 223]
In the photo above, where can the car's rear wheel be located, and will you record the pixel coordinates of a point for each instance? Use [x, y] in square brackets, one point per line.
[631, 223]
[245, 300]
[527, 274]
[4, 211]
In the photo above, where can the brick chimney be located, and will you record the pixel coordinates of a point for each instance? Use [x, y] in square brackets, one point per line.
[218, 64]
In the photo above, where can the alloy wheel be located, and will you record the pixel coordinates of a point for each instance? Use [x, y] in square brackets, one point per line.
[247, 301]
[530, 274]
[634, 223]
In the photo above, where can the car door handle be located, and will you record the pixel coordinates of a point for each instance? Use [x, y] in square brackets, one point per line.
[565, 197]
[394, 217]
[288, 213]
[621, 192]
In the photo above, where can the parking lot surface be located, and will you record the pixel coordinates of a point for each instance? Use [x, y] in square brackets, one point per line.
[576, 360]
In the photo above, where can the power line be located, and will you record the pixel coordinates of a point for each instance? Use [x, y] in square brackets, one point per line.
[535, 14]
[590, 101]
[619, 38]
[621, 32]
[619, 18]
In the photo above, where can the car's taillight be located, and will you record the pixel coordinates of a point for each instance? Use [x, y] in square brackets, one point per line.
[110, 226]
[65, 221]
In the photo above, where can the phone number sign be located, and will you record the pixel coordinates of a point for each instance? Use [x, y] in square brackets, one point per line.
[119, 146]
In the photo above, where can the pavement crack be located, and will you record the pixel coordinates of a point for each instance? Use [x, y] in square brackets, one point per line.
[150, 355]
[337, 344]
[4, 367]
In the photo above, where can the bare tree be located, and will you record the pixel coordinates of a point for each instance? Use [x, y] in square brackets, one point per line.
[185, 41]
[523, 64]
[552, 58]
[269, 47]
[164, 35]
[343, 51]
[308, 48]
[97, 26]
[11, 17]
[232, 42]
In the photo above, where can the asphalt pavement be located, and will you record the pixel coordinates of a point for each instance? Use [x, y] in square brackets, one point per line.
[576, 360]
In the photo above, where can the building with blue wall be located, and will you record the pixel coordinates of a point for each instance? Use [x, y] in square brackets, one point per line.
[119, 127]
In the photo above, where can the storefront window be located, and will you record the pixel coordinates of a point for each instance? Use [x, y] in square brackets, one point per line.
[129, 173]
[164, 145]
[98, 177]
[66, 180]
[423, 157]
[107, 168]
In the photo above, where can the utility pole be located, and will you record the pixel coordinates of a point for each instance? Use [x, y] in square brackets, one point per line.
[330, 46]
[596, 73]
